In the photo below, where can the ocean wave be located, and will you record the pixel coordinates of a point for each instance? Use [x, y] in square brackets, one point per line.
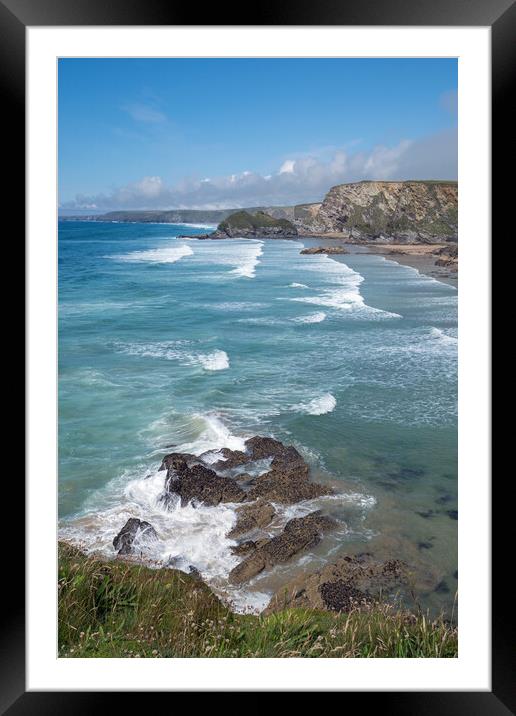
[218, 360]
[241, 256]
[165, 255]
[343, 291]
[318, 406]
[311, 318]
[297, 285]
[247, 268]
[176, 351]
[444, 338]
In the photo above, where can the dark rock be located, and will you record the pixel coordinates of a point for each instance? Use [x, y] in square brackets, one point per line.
[453, 514]
[287, 486]
[299, 533]
[424, 545]
[247, 547]
[134, 529]
[256, 515]
[442, 587]
[200, 484]
[339, 586]
[178, 461]
[260, 447]
[340, 596]
[426, 514]
[325, 250]
[232, 459]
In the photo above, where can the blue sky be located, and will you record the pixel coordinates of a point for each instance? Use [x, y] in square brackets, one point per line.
[208, 133]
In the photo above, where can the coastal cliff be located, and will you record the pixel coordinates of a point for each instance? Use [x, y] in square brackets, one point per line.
[387, 212]
[382, 212]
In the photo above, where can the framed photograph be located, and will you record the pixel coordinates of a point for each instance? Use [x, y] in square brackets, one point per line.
[259, 404]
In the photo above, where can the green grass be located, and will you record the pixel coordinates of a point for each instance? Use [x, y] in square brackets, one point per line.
[260, 220]
[119, 609]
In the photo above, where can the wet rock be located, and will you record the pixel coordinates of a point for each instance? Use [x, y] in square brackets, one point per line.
[200, 484]
[299, 533]
[256, 515]
[133, 533]
[342, 585]
[232, 459]
[178, 461]
[287, 485]
[260, 447]
[325, 250]
[194, 572]
[247, 547]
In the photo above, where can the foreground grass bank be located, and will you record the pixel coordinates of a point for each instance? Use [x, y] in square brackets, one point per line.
[117, 609]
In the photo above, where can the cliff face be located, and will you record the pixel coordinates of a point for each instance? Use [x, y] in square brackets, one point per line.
[388, 212]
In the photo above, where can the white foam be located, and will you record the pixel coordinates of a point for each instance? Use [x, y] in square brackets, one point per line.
[318, 406]
[241, 256]
[218, 360]
[165, 255]
[343, 291]
[438, 335]
[311, 318]
[247, 268]
[176, 351]
[213, 436]
[297, 285]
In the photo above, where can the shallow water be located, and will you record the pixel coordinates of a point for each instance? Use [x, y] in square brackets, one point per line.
[199, 344]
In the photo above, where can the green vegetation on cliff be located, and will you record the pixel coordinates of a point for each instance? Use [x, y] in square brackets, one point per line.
[121, 609]
[244, 222]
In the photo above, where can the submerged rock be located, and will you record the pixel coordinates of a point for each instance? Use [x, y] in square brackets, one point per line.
[341, 586]
[133, 530]
[256, 515]
[299, 533]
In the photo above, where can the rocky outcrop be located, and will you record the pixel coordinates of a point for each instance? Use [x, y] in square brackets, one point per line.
[389, 212]
[299, 534]
[344, 585]
[325, 250]
[243, 224]
[448, 256]
[199, 483]
[256, 515]
[287, 481]
[133, 535]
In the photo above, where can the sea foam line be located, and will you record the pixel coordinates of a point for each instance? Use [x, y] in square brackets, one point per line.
[165, 255]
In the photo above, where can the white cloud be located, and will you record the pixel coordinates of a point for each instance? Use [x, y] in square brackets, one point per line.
[302, 180]
[287, 167]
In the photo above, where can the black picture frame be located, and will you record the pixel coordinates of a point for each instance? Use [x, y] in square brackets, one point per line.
[500, 15]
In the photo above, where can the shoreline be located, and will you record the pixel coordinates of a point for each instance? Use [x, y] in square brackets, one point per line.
[423, 262]
[417, 256]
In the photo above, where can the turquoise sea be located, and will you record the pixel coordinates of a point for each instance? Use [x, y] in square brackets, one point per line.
[199, 344]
